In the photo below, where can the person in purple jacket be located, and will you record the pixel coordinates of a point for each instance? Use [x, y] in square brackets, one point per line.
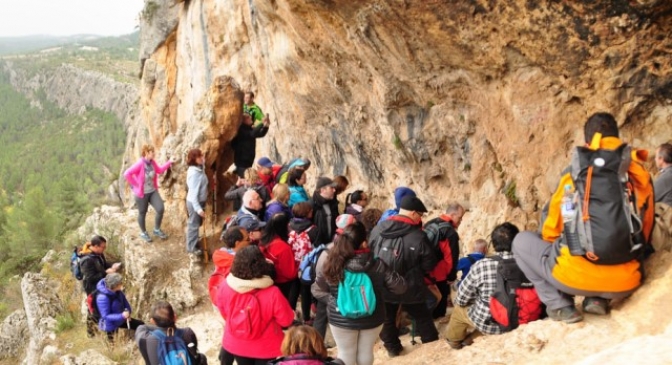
[115, 311]
[142, 177]
[279, 202]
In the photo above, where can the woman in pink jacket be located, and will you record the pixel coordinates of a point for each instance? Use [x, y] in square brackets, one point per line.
[254, 311]
[142, 177]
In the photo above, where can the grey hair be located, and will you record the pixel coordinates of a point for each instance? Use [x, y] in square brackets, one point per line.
[454, 207]
[248, 196]
[113, 280]
[480, 245]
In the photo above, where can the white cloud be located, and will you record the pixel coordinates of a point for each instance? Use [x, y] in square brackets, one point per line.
[68, 17]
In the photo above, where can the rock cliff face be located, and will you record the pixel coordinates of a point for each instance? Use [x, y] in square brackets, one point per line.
[476, 101]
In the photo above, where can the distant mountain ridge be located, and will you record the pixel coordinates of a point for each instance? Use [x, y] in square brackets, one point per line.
[35, 43]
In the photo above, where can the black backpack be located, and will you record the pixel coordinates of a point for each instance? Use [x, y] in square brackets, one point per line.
[514, 301]
[390, 252]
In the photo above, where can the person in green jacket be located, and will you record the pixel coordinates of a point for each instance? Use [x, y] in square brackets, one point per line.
[253, 109]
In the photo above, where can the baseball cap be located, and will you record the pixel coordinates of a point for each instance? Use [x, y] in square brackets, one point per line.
[252, 225]
[324, 181]
[265, 162]
[412, 203]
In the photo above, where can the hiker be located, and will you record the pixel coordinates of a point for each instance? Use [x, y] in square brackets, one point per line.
[400, 242]
[254, 228]
[114, 309]
[279, 202]
[662, 186]
[370, 217]
[320, 322]
[341, 183]
[253, 109]
[274, 246]
[94, 268]
[267, 171]
[197, 195]
[472, 310]
[302, 345]
[478, 250]
[250, 182]
[153, 336]
[143, 178]
[355, 203]
[325, 210]
[245, 143]
[254, 309]
[251, 209]
[546, 259]
[355, 332]
[282, 176]
[442, 234]
[235, 239]
[297, 193]
[302, 234]
[399, 193]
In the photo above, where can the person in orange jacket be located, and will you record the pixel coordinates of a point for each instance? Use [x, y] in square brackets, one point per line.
[235, 239]
[546, 260]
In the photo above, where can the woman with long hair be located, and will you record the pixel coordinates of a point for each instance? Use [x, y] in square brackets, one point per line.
[355, 337]
[279, 202]
[197, 195]
[143, 178]
[355, 203]
[304, 346]
[254, 310]
[274, 246]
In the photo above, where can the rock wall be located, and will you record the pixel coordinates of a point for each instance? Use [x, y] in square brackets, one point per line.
[41, 304]
[476, 101]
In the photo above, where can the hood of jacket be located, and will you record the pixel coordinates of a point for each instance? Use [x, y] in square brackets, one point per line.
[243, 286]
[300, 224]
[400, 193]
[103, 289]
[360, 262]
[223, 258]
[397, 226]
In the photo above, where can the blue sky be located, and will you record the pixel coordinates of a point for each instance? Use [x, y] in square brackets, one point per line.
[68, 17]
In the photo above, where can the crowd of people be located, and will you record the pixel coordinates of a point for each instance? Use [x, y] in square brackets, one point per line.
[356, 268]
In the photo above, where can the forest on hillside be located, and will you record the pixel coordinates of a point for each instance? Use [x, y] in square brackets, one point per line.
[54, 168]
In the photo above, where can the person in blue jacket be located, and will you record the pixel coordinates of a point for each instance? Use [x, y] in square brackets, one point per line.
[115, 311]
[399, 193]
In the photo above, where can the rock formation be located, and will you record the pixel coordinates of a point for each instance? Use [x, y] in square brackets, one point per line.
[13, 334]
[41, 304]
[477, 101]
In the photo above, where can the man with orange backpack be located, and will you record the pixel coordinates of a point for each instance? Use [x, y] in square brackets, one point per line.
[595, 230]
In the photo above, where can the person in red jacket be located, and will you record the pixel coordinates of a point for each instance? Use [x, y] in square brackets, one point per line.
[275, 247]
[254, 311]
[235, 239]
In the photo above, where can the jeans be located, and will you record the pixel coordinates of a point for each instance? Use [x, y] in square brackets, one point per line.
[194, 222]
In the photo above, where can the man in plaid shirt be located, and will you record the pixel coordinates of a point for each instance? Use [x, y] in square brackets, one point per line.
[472, 304]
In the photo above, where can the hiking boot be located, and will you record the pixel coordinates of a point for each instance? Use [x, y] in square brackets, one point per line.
[394, 352]
[595, 305]
[145, 237]
[567, 314]
[159, 233]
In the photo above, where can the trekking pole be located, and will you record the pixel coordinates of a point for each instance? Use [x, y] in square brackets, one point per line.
[128, 320]
[205, 246]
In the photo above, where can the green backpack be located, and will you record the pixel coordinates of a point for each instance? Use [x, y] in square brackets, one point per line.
[356, 298]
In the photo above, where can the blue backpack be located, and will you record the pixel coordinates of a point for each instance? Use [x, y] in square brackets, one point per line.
[307, 266]
[171, 349]
[356, 298]
[76, 263]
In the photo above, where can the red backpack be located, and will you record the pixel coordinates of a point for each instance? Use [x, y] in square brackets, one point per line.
[245, 320]
[514, 301]
[300, 243]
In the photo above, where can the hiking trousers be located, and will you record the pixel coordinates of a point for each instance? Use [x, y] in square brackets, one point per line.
[423, 323]
[321, 320]
[355, 346]
[459, 325]
[535, 258]
[153, 199]
[194, 223]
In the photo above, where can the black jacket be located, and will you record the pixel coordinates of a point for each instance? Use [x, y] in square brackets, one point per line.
[382, 278]
[93, 270]
[326, 225]
[245, 144]
[404, 247]
[236, 193]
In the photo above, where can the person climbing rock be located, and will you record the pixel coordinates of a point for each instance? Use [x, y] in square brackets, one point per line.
[245, 143]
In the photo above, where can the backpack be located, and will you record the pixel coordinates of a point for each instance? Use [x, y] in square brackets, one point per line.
[438, 230]
[307, 267]
[245, 320]
[171, 349]
[356, 298]
[300, 243]
[230, 221]
[76, 263]
[607, 219]
[514, 301]
[92, 305]
[390, 252]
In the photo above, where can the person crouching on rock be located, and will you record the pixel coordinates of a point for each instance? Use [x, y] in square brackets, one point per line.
[115, 311]
[142, 177]
[197, 195]
[254, 309]
[304, 346]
